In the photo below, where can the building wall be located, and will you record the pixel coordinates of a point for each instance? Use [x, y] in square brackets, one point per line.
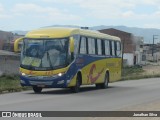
[1, 44]
[129, 58]
[155, 57]
[126, 38]
[9, 62]
[138, 55]
[132, 45]
[5, 40]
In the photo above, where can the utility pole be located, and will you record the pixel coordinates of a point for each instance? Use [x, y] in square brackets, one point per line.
[154, 37]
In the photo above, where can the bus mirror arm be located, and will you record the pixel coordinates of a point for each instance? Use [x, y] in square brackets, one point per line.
[71, 46]
[16, 44]
[70, 58]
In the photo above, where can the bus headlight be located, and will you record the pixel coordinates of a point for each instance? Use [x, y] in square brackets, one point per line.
[23, 74]
[58, 75]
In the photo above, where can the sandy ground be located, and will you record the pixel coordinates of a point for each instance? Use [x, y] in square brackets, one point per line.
[151, 69]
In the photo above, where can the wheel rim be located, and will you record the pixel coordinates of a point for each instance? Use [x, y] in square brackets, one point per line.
[77, 85]
[106, 80]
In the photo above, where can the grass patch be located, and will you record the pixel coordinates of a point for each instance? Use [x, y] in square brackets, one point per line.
[140, 77]
[135, 73]
[10, 83]
[130, 71]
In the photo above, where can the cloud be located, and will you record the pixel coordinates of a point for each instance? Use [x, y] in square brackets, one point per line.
[128, 14]
[3, 14]
[1, 8]
[148, 2]
[88, 12]
[49, 13]
[152, 25]
[110, 9]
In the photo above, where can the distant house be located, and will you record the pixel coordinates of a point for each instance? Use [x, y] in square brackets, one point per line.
[151, 52]
[5, 40]
[132, 53]
[1, 43]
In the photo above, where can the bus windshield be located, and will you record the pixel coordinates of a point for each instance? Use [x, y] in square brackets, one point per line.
[44, 54]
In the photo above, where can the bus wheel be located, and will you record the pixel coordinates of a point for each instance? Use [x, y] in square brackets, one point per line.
[106, 80]
[76, 88]
[37, 89]
[98, 86]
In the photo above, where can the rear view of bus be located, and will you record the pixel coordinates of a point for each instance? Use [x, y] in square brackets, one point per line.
[50, 58]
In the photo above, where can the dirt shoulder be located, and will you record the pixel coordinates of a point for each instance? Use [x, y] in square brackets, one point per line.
[151, 69]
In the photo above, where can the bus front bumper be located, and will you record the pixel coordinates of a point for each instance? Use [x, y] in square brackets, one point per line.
[45, 81]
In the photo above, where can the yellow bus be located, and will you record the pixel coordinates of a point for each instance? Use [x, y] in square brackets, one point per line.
[68, 58]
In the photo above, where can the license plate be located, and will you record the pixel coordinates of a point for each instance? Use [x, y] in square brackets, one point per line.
[40, 85]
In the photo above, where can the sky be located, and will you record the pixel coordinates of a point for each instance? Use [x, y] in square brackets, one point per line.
[33, 14]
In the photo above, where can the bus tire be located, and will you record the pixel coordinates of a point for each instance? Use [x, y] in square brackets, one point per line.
[37, 89]
[98, 86]
[76, 88]
[104, 85]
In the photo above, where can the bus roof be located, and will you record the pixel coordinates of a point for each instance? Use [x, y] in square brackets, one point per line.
[59, 32]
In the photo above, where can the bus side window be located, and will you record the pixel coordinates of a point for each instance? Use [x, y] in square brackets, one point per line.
[82, 49]
[91, 46]
[107, 47]
[113, 48]
[110, 47]
[76, 43]
[118, 48]
[99, 46]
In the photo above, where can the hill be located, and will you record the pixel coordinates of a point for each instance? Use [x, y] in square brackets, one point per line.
[146, 33]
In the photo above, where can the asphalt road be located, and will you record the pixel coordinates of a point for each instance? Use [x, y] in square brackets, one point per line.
[118, 96]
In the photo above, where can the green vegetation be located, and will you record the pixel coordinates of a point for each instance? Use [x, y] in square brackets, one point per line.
[131, 71]
[10, 83]
[135, 73]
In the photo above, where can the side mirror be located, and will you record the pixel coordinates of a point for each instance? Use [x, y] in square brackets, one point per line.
[16, 44]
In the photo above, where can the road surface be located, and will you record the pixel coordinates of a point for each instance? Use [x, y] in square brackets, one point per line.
[119, 95]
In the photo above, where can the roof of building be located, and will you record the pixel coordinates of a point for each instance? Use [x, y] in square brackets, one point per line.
[112, 29]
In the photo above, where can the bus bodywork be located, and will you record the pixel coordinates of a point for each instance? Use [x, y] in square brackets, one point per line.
[52, 58]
